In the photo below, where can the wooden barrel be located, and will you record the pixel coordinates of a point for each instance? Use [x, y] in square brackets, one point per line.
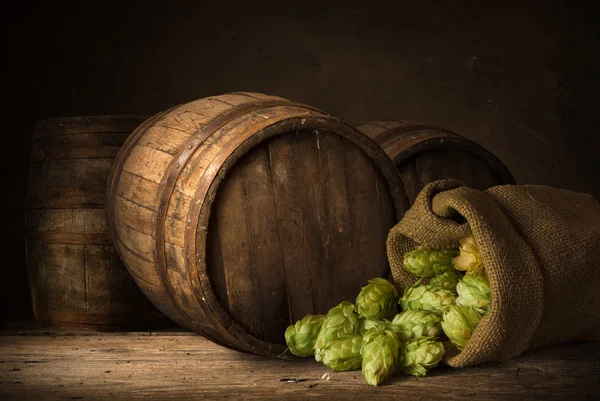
[76, 277]
[239, 214]
[423, 153]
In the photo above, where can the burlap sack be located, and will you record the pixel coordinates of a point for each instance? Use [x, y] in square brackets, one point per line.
[540, 247]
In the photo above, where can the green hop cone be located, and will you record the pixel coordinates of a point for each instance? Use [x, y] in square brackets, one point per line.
[379, 353]
[474, 290]
[368, 324]
[459, 323]
[447, 281]
[343, 353]
[413, 324]
[377, 300]
[429, 262]
[300, 337]
[428, 298]
[340, 320]
[420, 355]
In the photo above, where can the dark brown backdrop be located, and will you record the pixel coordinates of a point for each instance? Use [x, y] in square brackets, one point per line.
[519, 77]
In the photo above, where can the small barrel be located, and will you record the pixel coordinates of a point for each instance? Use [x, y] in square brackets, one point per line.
[76, 277]
[423, 153]
[241, 213]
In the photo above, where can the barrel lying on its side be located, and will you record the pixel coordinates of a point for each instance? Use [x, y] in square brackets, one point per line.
[76, 276]
[423, 154]
[239, 214]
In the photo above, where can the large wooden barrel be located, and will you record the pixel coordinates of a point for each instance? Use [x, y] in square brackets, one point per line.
[423, 153]
[239, 214]
[76, 277]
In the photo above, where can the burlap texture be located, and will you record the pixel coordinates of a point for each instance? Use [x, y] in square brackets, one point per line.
[540, 247]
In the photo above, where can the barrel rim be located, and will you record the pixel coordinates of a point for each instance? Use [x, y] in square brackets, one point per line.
[441, 137]
[199, 214]
[174, 169]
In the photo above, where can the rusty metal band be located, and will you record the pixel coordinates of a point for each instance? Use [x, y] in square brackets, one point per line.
[72, 153]
[179, 163]
[87, 125]
[402, 130]
[71, 238]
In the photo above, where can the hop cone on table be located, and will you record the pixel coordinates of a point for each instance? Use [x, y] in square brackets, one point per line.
[447, 281]
[428, 298]
[469, 259]
[474, 290]
[429, 262]
[413, 324]
[377, 300]
[459, 323]
[343, 353]
[339, 321]
[300, 337]
[379, 353]
[420, 355]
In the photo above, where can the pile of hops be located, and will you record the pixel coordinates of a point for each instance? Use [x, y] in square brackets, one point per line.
[373, 336]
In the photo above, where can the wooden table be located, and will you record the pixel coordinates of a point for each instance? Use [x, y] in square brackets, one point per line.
[48, 364]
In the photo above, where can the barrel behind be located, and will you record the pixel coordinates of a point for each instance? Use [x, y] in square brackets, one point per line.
[423, 153]
[76, 277]
[241, 213]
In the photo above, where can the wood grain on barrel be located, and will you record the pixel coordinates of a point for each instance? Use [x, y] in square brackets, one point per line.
[423, 154]
[246, 212]
[75, 274]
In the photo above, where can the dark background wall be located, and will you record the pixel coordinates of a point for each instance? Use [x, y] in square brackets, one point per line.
[519, 77]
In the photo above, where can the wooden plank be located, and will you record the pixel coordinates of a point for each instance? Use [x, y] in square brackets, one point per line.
[125, 296]
[177, 270]
[408, 173]
[338, 234]
[240, 98]
[271, 306]
[97, 279]
[136, 241]
[87, 221]
[86, 125]
[387, 219]
[140, 268]
[135, 215]
[182, 366]
[105, 145]
[167, 140]
[193, 115]
[427, 168]
[464, 162]
[311, 203]
[292, 228]
[139, 190]
[36, 274]
[231, 221]
[64, 276]
[148, 162]
[62, 184]
[366, 245]
[371, 130]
